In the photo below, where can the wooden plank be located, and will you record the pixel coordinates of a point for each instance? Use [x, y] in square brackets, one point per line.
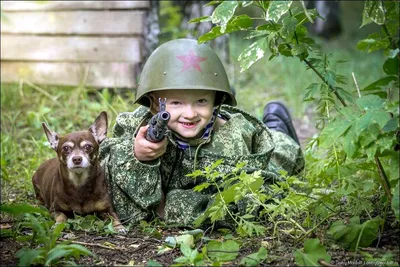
[75, 22]
[111, 74]
[71, 5]
[66, 48]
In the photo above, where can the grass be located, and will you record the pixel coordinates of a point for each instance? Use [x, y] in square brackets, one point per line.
[65, 109]
[24, 106]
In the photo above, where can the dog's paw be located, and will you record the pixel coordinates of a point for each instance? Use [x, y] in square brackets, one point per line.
[121, 229]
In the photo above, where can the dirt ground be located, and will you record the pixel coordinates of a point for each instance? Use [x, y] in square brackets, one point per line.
[137, 248]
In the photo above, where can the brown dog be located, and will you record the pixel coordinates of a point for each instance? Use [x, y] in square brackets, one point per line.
[74, 181]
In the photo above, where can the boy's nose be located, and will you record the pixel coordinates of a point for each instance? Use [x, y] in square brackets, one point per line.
[190, 112]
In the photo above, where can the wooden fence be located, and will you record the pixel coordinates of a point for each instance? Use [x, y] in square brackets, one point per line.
[98, 43]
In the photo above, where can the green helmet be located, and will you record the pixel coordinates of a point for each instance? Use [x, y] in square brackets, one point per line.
[184, 64]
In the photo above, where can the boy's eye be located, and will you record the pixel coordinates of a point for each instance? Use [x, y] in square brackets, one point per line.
[174, 103]
[202, 101]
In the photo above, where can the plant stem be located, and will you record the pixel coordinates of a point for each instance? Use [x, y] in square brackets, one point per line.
[384, 179]
[315, 227]
[385, 29]
[323, 79]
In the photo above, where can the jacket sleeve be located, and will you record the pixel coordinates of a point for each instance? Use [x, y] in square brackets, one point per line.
[135, 187]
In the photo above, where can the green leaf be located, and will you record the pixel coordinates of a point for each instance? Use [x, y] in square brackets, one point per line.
[311, 91]
[391, 66]
[56, 254]
[152, 263]
[396, 200]
[378, 84]
[28, 257]
[353, 235]
[370, 135]
[369, 102]
[223, 13]
[333, 131]
[269, 27]
[18, 209]
[277, 9]
[56, 233]
[371, 117]
[252, 54]
[201, 19]
[201, 187]
[298, 49]
[313, 251]
[254, 259]
[288, 26]
[369, 232]
[186, 239]
[393, 53]
[373, 10]
[238, 23]
[372, 43]
[222, 251]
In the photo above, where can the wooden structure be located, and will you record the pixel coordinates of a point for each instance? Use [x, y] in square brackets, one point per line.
[97, 43]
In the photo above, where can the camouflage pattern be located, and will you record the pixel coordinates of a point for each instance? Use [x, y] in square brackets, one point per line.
[136, 187]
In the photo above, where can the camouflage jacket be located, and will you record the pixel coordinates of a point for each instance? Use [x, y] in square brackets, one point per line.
[136, 187]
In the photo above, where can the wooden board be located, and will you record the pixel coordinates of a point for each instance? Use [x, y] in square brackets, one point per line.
[77, 22]
[72, 5]
[111, 75]
[67, 48]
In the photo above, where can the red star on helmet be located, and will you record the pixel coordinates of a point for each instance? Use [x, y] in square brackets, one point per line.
[191, 60]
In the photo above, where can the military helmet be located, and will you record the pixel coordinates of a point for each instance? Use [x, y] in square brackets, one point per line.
[184, 64]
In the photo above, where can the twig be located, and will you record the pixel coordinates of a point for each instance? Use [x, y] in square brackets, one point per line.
[315, 227]
[355, 82]
[324, 263]
[93, 244]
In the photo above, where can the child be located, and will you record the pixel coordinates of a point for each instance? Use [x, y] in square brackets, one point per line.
[148, 178]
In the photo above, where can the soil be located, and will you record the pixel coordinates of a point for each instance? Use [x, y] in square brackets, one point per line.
[137, 248]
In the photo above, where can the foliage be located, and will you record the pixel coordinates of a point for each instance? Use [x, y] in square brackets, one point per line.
[313, 253]
[354, 234]
[235, 187]
[91, 223]
[358, 172]
[42, 238]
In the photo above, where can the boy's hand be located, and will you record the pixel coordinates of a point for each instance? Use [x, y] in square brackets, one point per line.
[145, 150]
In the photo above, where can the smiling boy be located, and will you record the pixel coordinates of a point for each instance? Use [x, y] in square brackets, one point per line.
[148, 178]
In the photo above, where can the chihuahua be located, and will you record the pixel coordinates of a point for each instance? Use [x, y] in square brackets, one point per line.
[74, 181]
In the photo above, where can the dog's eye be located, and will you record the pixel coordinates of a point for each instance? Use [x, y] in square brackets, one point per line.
[87, 148]
[66, 149]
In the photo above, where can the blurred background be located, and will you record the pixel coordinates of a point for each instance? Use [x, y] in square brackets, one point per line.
[64, 62]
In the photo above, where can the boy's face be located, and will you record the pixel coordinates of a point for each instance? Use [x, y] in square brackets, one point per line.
[190, 110]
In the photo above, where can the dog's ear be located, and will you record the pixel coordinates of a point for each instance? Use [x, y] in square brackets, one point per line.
[99, 127]
[52, 137]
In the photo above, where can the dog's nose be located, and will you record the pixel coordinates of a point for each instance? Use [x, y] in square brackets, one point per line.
[77, 160]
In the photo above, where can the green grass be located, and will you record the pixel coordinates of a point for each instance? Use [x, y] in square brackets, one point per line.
[65, 109]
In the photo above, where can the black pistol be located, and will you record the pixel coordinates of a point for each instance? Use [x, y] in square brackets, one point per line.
[158, 124]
